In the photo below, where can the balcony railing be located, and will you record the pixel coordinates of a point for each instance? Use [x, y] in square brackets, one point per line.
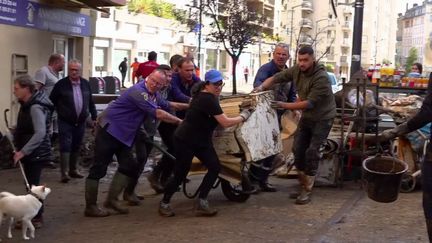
[348, 10]
[346, 42]
[307, 6]
[343, 59]
[346, 25]
[306, 23]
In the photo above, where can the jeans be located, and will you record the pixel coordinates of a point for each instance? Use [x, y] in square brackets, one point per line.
[260, 170]
[185, 153]
[307, 142]
[70, 136]
[105, 147]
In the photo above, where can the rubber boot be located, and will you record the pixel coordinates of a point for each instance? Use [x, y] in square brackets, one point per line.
[73, 172]
[129, 194]
[203, 208]
[305, 195]
[295, 194]
[118, 184]
[247, 187]
[64, 166]
[91, 193]
[165, 210]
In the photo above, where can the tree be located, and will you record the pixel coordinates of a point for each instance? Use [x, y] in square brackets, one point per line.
[153, 7]
[235, 26]
[412, 58]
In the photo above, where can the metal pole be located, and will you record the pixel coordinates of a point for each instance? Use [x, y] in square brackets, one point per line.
[200, 33]
[357, 37]
[291, 35]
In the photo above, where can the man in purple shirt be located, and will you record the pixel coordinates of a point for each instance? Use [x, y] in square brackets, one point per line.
[118, 126]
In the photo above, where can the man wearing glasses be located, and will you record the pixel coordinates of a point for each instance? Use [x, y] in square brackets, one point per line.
[118, 127]
[73, 102]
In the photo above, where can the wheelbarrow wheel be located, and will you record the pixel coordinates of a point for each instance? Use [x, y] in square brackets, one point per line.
[408, 183]
[232, 193]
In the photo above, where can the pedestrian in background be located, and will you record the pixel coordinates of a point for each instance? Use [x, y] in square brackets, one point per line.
[46, 77]
[31, 137]
[246, 73]
[134, 67]
[194, 138]
[123, 67]
[73, 102]
[145, 68]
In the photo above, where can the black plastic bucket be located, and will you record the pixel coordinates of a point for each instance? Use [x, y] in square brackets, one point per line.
[382, 176]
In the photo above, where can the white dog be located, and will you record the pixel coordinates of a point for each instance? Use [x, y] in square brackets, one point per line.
[22, 208]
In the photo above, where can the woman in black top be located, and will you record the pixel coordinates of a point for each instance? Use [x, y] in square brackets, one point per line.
[194, 138]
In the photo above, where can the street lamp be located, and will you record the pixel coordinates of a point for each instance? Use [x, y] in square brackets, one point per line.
[291, 29]
[317, 32]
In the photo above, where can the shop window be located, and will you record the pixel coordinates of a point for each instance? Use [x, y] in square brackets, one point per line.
[100, 57]
[223, 60]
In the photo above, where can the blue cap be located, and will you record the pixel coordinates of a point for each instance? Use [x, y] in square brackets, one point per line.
[213, 76]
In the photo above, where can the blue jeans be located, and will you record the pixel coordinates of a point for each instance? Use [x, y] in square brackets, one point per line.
[70, 136]
[307, 142]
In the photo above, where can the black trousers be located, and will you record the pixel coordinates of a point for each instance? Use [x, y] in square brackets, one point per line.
[165, 167]
[426, 177]
[33, 171]
[105, 147]
[185, 153]
[143, 148]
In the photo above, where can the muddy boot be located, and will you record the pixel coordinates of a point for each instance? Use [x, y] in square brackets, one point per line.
[73, 172]
[165, 210]
[153, 179]
[300, 178]
[202, 208]
[129, 194]
[91, 193]
[64, 166]
[247, 186]
[305, 195]
[118, 184]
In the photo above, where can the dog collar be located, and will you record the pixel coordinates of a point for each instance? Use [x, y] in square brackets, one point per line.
[36, 196]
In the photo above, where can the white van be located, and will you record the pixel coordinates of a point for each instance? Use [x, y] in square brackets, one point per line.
[334, 83]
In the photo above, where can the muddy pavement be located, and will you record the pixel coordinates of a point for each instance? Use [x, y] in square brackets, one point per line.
[335, 215]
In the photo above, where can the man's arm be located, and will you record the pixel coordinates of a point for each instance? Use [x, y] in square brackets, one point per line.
[178, 106]
[261, 76]
[280, 77]
[167, 117]
[177, 95]
[40, 79]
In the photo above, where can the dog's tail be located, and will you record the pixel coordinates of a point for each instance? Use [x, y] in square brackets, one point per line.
[6, 194]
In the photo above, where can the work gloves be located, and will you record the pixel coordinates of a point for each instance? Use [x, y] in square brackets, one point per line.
[245, 113]
[395, 132]
[276, 104]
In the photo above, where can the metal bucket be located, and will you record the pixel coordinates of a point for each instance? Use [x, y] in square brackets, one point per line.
[382, 176]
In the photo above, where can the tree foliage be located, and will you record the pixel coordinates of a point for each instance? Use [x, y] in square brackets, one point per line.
[154, 7]
[234, 26]
[412, 58]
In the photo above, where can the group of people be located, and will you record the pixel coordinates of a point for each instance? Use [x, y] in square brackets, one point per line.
[185, 111]
[52, 108]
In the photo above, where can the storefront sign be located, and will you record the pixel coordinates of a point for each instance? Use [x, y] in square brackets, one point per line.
[33, 15]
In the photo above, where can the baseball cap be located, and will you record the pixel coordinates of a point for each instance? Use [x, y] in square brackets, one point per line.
[213, 76]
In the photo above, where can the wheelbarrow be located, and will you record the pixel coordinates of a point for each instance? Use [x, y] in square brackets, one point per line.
[257, 138]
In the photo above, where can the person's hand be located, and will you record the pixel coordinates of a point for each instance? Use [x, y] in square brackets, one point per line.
[276, 104]
[390, 134]
[245, 114]
[258, 89]
[18, 155]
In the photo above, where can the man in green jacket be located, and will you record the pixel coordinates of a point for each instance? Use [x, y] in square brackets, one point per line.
[316, 100]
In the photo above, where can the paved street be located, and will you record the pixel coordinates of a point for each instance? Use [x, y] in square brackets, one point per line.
[335, 215]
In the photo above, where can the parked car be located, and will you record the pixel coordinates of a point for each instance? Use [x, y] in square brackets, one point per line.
[336, 86]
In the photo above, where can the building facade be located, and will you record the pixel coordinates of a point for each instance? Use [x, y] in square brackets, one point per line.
[34, 30]
[416, 25]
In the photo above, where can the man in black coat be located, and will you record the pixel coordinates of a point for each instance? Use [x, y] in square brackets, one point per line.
[73, 102]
